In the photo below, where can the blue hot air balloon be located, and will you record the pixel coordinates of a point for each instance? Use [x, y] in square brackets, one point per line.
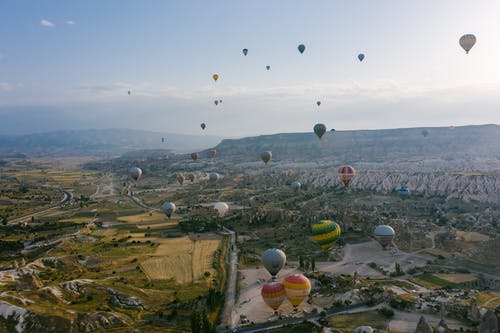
[302, 48]
[361, 56]
[245, 52]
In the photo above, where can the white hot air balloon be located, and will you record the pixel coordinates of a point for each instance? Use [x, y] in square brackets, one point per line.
[168, 208]
[222, 208]
[384, 235]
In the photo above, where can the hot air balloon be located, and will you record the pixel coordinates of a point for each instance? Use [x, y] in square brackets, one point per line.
[301, 48]
[274, 260]
[384, 235]
[191, 177]
[213, 177]
[404, 192]
[467, 42]
[220, 101]
[273, 294]
[296, 185]
[361, 56]
[168, 208]
[162, 139]
[346, 174]
[266, 156]
[203, 126]
[297, 288]
[194, 156]
[215, 77]
[180, 179]
[213, 152]
[425, 133]
[129, 92]
[216, 102]
[332, 130]
[245, 52]
[319, 129]
[268, 67]
[318, 103]
[135, 173]
[325, 233]
[222, 208]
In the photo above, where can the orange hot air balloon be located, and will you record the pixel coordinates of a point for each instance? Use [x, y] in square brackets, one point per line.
[194, 156]
[346, 174]
[215, 77]
[191, 177]
[180, 179]
[213, 152]
[297, 288]
[273, 294]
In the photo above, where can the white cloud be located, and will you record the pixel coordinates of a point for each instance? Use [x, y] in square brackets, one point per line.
[70, 22]
[47, 23]
[5, 87]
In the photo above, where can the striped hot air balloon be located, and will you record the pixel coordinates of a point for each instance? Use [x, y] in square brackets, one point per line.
[384, 235]
[346, 174]
[273, 294]
[326, 233]
[297, 288]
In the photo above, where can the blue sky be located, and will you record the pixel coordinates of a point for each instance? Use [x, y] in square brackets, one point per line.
[55, 75]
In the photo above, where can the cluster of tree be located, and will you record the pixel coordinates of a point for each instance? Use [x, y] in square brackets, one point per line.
[307, 264]
[200, 323]
[215, 299]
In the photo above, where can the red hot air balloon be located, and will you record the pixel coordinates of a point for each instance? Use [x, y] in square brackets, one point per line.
[180, 179]
[346, 174]
[191, 177]
[273, 294]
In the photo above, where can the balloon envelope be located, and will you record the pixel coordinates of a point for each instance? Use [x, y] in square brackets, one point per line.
[384, 235]
[245, 52]
[194, 156]
[213, 177]
[296, 185]
[135, 173]
[168, 208]
[266, 156]
[273, 260]
[191, 177]
[180, 179]
[326, 233]
[361, 56]
[222, 208]
[404, 192]
[273, 294]
[268, 67]
[215, 77]
[301, 48]
[346, 174]
[216, 102]
[320, 130]
[297, 288]
[203, 125]
[318, 103]
[467, 42]
[213, 152]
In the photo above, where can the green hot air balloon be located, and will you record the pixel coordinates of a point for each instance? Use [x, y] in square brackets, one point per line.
[326, 233]
[319, 129]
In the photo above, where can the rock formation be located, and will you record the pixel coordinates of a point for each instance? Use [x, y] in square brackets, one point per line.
[423, 326]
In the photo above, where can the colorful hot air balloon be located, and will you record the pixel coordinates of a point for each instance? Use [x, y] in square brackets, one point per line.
[245, 52]
[135, 173]
[273, 294]
[404, 192]
[274, 260]
[346, 174]
[297, 288]
[180, 179]
[296, 185]
[301, 48]
[361, 56]
[216, 102]
[215, 77]
[213, 152]
[320, 130]
[191, 177]
[203, 126]
[213, 177]
[467, 42]
[318, 103]
[168, 208]
[268, 67]
[384, 235]
[325, 233]
[266, 156]
[222, 208]
[194, 156]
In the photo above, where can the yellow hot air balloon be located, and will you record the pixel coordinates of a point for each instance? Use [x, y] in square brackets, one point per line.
[215, 77]
[297, 288]
[273, 294]
[325, 233]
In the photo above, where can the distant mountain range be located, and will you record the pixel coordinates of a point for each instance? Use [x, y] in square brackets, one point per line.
[100, 142]
[371, 146]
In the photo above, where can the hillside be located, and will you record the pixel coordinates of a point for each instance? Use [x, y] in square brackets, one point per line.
[100, 142]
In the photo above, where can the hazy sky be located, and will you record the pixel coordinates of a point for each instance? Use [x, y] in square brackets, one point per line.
[69, 64]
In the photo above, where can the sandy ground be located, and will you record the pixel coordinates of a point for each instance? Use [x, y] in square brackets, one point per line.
[356, 258]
